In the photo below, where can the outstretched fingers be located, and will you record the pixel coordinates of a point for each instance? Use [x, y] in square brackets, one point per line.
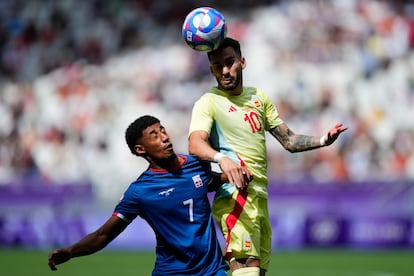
[334, 132]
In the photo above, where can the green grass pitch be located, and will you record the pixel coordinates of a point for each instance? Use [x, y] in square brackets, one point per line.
[14, 262]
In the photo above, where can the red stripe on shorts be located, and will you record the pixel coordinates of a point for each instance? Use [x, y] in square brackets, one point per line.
[233, 217]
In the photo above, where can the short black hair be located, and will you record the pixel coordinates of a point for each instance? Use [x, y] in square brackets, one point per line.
[227, 42]
[135, 129]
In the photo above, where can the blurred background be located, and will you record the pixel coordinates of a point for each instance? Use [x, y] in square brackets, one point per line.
[74, 74]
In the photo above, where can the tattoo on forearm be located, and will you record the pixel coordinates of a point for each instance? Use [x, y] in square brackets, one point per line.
[303, 142]
[284, 137]
[294, 142]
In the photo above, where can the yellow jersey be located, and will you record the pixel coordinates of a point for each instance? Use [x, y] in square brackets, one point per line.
[237, 126]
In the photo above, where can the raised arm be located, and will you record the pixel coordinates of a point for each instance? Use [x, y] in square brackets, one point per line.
[90, 244]
[200, 147]
[298, 142]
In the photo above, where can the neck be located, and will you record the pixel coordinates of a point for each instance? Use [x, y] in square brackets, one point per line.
[233, 92]
[167, 164]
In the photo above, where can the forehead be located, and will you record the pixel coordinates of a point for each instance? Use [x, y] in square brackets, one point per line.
[152, 128]
[224, 54]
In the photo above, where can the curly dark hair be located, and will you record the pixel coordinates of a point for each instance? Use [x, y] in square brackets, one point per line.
[134, 130]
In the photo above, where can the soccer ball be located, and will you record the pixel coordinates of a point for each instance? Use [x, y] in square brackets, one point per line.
[204, 29]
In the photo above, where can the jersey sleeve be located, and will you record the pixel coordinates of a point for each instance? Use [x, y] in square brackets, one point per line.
[271, 114]
[202, 115]
[127, 208]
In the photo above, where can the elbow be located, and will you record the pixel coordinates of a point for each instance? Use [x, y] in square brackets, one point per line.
[287, 146]
[290, 148]
[102, 240]
[191, 149]
[198, 144]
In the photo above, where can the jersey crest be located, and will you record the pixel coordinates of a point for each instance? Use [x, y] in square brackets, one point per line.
[198, 182]
[256, 101]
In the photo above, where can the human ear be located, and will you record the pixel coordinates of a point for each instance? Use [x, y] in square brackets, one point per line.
[139, 149]
[243, 62]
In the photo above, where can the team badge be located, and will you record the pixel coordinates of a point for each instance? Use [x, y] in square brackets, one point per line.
[198, 182]
[256, 101]
[247, 243]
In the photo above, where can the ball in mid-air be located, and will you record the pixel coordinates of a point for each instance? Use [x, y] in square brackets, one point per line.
[204, 29]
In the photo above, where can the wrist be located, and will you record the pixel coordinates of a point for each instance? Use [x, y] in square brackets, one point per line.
[218, 156]
[322, 140]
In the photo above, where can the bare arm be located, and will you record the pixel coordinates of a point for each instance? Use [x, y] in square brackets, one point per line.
[200, 147]
[90, 244]
[298, 142]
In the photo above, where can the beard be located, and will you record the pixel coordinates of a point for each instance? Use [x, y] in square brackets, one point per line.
[233, 85]
[165, 162]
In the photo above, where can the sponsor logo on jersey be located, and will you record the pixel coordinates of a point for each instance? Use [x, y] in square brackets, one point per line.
[198, 182]
[167, 192]
[232, 109]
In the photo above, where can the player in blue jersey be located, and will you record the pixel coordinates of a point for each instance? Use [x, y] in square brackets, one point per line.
[228, 126]
[171, 195]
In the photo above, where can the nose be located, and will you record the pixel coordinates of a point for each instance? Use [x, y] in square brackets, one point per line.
[226, 70]
[165, 138]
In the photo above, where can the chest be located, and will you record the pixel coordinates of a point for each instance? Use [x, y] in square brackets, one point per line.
[170, 192]
[244, 115]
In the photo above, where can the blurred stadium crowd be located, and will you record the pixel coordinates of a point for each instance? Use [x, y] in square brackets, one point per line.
[74, 74]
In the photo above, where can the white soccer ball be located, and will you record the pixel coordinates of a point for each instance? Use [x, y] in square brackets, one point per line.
[204, 29]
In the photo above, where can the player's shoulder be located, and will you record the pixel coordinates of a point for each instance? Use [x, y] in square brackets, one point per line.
[132, 189]
[208, 96]
[253, 90]
[209, 99]
[187, 157]
[256, 93]
[192, 161]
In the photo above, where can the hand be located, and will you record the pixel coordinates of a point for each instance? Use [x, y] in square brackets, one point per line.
[57, 257]
[333, 133]
[237, 175]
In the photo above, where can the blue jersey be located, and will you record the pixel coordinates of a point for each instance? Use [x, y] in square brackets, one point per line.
[176, 206]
